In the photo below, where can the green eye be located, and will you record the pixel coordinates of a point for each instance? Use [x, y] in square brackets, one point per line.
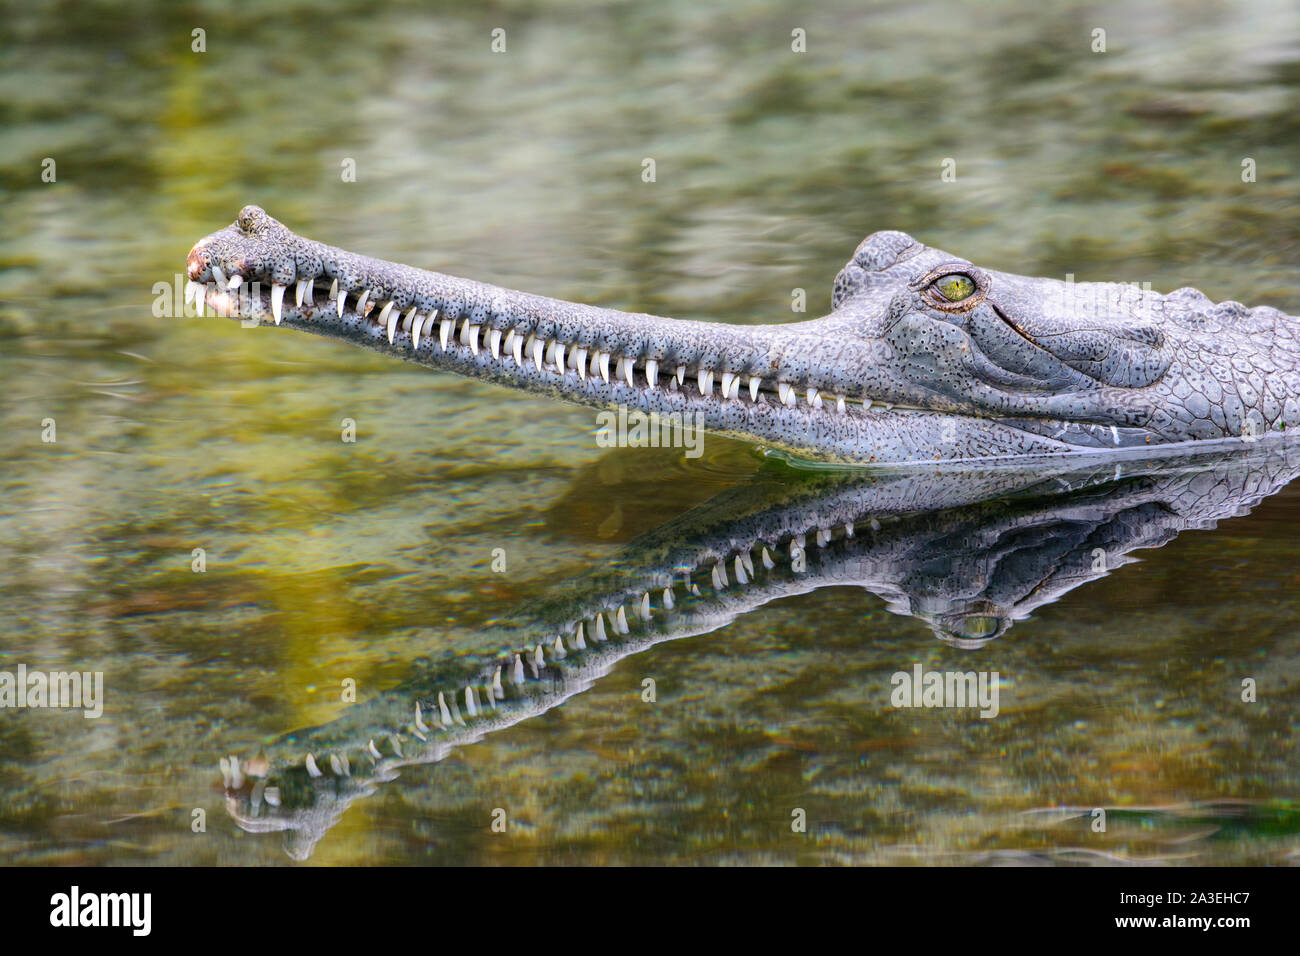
[955, 287]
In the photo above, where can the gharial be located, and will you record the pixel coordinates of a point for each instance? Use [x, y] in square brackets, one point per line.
[924, 356]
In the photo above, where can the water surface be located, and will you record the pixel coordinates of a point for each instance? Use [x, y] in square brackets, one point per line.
[328, 560]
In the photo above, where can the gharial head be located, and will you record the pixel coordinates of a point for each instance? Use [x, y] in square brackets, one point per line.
[924, 357]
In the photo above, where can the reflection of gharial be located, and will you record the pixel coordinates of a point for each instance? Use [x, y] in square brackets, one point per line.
[969, 553]
[924, 357]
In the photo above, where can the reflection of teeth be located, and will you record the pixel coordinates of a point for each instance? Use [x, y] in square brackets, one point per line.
[374, 751]
[517, 672]
[668, 599]
[497, 691]
[312, 769]
[272, 796]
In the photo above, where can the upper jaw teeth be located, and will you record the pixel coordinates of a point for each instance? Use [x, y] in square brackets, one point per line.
[549, 356]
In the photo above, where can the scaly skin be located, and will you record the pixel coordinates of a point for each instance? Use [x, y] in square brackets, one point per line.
[969, 552]
[897, 372]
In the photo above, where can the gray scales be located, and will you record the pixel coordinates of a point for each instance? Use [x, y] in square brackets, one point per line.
[923, 357]
[969, 552]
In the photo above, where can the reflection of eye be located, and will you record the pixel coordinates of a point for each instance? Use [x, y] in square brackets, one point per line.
[980, 625]
[954, 287]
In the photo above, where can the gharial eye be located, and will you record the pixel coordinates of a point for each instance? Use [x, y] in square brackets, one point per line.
[954, 287]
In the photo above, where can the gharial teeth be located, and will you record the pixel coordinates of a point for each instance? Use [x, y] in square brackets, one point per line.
[306, 297]
[299, 289]
[494, 343]
[559, 357]
[277, 301]
[393, 318]
[705, 379]
[727, 379]
[416, 321]
[384, 313]
[473, 337]
[444, 331]
[604, 366]
[651, 373]
[515, 346]
[814, 398]
[361, 303]
[681, 374]
[538, 348]
[785, 392]
[754, 384]
[839, 404]
[628, 365]
[580, 363]
[343, 297]
[734, 391]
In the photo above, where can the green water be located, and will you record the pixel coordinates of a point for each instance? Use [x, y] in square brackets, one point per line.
[328, 560]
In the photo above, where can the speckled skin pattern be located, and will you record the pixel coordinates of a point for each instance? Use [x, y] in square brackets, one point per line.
[1021, 366]
[968, 551]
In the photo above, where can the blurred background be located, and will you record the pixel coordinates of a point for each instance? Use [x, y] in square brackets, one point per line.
[524, 168]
